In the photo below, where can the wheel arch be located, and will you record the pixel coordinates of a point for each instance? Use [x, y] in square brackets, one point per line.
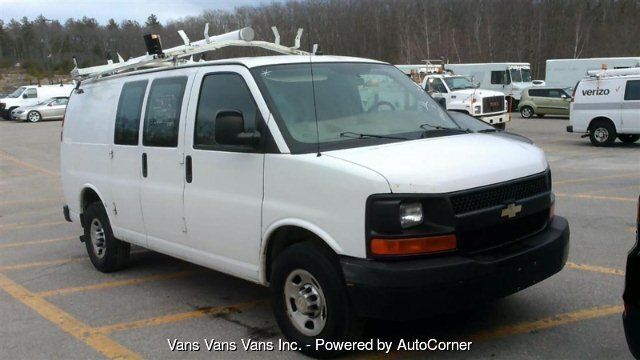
[88, 195]
[285, 233]
[601, 118]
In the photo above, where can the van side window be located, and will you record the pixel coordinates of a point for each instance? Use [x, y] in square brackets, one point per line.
[224, 91]
[632, 90]
[128, 113]
[31, 93]
[499, 77]
[162, 116]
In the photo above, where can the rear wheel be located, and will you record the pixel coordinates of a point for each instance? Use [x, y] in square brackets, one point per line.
[526, 112]
[309, 298]
[602, 133]
[628, 138]
[107, 253]
[34, 116]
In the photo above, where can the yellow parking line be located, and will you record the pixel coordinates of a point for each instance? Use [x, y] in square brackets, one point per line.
[596, 197]
[35, 242]
[27, 201]
[116, 283]
[15, 160]
[167, 319]
[549, 322]
[16, 226]
[573, 181]
[41, 264]
[65, 321]
[592, 268]
[630, 229]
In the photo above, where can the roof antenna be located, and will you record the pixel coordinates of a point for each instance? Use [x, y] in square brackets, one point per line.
[313, 88]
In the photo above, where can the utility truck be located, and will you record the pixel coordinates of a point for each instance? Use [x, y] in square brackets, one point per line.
[564, 73]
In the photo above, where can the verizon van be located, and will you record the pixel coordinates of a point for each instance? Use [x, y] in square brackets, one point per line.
[335, 181]
[606, 106]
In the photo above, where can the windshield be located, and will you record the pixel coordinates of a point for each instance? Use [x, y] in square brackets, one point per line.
[459, 82]
[357, 104]
[520, 75]
[16, 93]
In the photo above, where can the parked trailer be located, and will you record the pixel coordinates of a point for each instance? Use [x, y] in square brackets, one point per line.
[507, 78]
[565, 73]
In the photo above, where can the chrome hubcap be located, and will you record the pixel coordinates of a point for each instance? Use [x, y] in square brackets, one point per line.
[601, 134]
[97, 238]
[526, 112]
[34, 117]
[305, 301]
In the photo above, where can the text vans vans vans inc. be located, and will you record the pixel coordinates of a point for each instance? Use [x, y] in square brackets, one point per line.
[335, 181]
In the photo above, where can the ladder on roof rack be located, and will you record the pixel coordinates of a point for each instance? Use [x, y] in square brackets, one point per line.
[613, 72]
[176, 55]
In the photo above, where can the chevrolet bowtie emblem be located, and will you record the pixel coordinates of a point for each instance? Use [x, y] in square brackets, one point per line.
[511, 210]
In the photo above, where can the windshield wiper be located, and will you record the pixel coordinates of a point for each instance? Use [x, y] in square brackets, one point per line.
[354, 135]
[438, 127]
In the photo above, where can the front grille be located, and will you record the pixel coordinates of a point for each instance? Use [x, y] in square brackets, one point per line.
[499, 195]
[503, 233]
[493, 104]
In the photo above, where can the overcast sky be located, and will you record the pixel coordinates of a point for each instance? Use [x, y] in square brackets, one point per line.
[103, 10]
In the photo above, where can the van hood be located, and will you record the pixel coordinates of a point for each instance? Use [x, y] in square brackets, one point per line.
[449, 163]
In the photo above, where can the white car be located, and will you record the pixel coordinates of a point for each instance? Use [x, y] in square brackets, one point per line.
[32, 95]
[606, 106]
[333, 180]
[462, 95]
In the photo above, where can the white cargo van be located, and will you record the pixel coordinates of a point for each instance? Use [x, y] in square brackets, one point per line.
[31, 95]
[461, 94]
[507, 78]
[606, 106]
[335, 181]
[564, 73]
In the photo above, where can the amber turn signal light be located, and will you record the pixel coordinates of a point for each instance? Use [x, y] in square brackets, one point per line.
[413, 246]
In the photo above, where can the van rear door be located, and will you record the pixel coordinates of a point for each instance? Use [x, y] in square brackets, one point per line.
[162, 161]
[631, 107]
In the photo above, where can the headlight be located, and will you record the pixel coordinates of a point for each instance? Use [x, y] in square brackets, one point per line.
[477, 109]
[410, 214]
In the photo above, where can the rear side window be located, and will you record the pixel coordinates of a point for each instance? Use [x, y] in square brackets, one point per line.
[128, 113]
[225, 91]
[632, 90]
[162, 116]
[31, 93]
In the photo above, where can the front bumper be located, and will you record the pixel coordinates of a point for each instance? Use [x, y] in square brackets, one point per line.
[408, 289]
[15, 116]
[494, 119]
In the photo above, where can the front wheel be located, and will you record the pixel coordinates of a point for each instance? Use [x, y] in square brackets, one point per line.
[628, 138]
[526, 112]
[602, 133]
[107, 253]
[309, 298]
[34, 116]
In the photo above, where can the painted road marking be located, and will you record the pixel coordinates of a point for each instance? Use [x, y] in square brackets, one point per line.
[597, 197]
[15, 160]
[36, 242]
[167, 319]
[15, 226]
[549, 322]
[572, 181]
[81, 331]
[42, 264]
[117, 283]
[27, 201]
[592, 268]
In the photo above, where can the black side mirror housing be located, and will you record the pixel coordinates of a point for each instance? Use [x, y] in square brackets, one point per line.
[229, 129]
[24, 96]
[443, 102]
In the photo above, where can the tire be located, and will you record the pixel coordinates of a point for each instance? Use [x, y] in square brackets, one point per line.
[310, 268]
[107, 253]
[500, 126]
[628, 138]
[602, 133]
[34, 116]
[526, 112]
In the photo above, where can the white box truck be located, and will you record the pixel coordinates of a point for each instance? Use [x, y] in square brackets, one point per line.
[566, 73]
[507, 78]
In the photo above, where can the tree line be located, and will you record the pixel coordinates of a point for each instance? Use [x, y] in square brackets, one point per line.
[397, 31]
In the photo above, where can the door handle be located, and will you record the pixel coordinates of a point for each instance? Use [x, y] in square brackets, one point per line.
[144, 164]
[188, 167]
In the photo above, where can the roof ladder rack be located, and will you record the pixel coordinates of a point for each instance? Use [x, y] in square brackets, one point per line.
[184, 53]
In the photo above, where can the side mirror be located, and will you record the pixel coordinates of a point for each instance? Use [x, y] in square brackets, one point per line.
[24, 96]
[229, 129]
[442, 102]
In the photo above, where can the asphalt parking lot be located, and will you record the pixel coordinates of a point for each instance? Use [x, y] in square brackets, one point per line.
[53, 304]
